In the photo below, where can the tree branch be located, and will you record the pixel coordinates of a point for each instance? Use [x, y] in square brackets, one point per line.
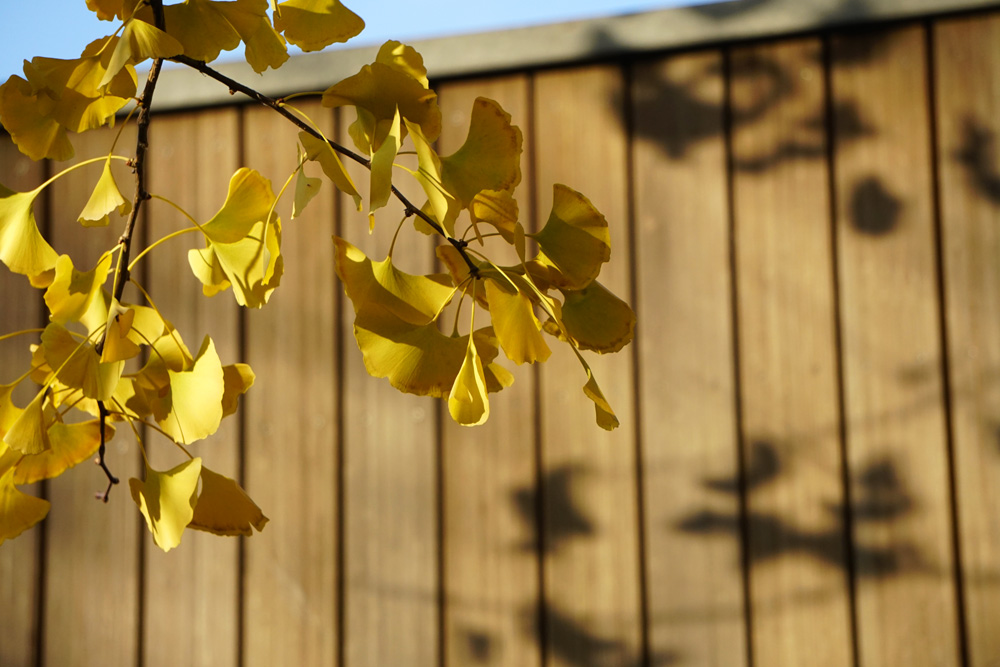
[408, 207]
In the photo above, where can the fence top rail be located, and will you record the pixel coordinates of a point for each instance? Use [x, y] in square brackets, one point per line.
[563, 43]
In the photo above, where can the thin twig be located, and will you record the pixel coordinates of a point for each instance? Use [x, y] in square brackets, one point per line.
[408, 207]
[141, 195]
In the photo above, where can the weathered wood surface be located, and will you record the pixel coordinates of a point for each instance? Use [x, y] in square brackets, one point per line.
[807, 468]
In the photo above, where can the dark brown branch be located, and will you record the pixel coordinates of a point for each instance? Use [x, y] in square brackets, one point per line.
[408, 207]
[141, 195]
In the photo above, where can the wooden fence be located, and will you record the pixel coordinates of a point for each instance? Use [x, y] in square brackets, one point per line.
[808, 468]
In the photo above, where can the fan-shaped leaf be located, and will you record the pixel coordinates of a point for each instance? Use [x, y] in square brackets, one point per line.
[167, 500]
[224, 508]
[18, 511]
[313, 25]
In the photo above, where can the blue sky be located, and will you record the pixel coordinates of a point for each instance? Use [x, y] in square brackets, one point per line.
[61, 28]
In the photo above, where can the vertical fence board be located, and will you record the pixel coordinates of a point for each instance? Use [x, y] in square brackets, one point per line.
[92, 560]
[290, 579]
[192, 593]
[800, 609]
[968, 103]
[685, 351]
[591, 541]
[896, 440]
[490, 528]
[22, 309]
[390, 469]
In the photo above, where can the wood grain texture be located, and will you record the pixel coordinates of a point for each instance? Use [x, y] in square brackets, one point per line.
[967, 98]
[20, 569]
[686, 362]
[92, 560]
[589, 492]
[192, 593]
[491, 572]
[799, 588]
[291, 450]
[391, 485]
[896, 439]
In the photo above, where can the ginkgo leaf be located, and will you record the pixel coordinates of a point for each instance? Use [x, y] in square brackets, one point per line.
[419, 359]
[71, 292]
[313, 25]
[404, 58]
[414, 299]
[442, 204]
[77, 364]
[381, 167]
[70, 444]
[140, 41]
[379, 90]
[575, 241]
[117, 344]
[27, 115]
[22, 247]
[8, 411]
[105, 199]
[264, 46]
[516, 326]
[468, 402]
[82, 98]
[109, 10]
[237, 378]
[498, 209]
[18, 511]
[28, 433]
[597, 319]
[250, 200]
[322, 152]
[306, 188]
[490, 157]
[224, 508]
[192, 409]
[167, 500]
[200, 27]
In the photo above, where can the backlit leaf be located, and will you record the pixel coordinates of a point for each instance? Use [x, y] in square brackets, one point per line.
[320, 151]
[28, 433]
[468, 402]
[167, 500]
[192, 410]
[105, 199]
[237, 378]
[516, 326]
[117, 345]
[597, 319]
[248, 202]
[27, 116]
[140, 41]
[313, 25]
[575, 241]
[70, 444]
[490, 157]
[606, 418]
[306, 188]
[381, 169]
[403, 58]
[224, 508]
[18, 511]
[71, 292]
[22, 247]
[78, 365]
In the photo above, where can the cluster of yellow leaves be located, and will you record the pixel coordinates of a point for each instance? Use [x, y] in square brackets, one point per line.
[126, 364]
[79, 94]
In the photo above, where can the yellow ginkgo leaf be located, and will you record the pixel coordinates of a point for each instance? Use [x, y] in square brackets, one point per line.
[264, 46]
[606, 418]
[378, 90]
[71, 292]
[140, 41]
[238, 378]
[22, 247]
[18, 511]
[8, 411]
[27, 115]
[320, 151]
[77, 364]
[249, 201]
[167, 500]
[597, 319]
[442, 204]
[490, 157]
[105, 198]
[28, 434]
[313, 25]
[117, 344]
[192, 409]
[575, 241]
[498, 209]
[200, 27]
[381, 169]
[404, 58]
[468, 402]
[306, 188]
[70, 444]
[516, 326]
[414, 299]
[224, 508]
